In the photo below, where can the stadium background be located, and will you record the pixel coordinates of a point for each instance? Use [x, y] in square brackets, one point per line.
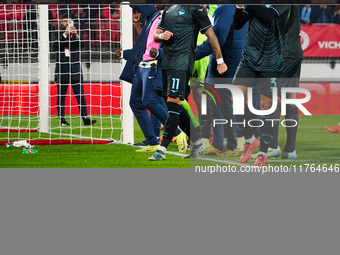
[320, 69]
[101, 37]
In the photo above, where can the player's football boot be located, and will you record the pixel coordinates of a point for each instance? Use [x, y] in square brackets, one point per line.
[213, 151]
[88, 122]
[149, 148]
[229, 152]
[248, 149]
[206, 144]
[334, 129]
[260, 161]
[240, 145]
[157, 156]
[195, 151]
[143, 143]
[181, 141]
[271, 153]
[289, 155]
[63, 122]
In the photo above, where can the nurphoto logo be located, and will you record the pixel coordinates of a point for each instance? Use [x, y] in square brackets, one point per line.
[213, 89]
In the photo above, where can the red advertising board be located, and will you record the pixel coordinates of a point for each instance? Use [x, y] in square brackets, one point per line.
[23, 99]
[325, 98]
[320, 40]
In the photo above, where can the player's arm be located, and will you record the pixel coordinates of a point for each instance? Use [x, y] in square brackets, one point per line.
[241, 17]
[215, 46]
[221, 27]
[161, 35]
[201, 18]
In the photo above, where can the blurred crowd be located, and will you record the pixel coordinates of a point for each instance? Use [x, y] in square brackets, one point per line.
[96, 23]
[99, 24]
[312, 14]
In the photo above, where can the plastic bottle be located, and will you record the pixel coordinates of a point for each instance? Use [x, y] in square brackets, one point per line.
[29, 151]
[34, 147]
[9, 145]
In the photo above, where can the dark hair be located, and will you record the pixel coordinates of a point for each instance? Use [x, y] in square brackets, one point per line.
[64, 16]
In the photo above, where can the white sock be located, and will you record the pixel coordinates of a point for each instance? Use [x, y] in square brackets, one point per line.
[162, 148]
[198, 142]
[261, 153]
[241, 139]
[250, 140]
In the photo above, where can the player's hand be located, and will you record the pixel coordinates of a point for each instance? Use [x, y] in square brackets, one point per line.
[153, 52]
[222, 68]
[166, 35]
[119, 53]
[136, 17]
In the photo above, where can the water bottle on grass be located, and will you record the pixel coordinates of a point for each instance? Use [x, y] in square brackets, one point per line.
[9, 145]
[29, 151]
[34, 147]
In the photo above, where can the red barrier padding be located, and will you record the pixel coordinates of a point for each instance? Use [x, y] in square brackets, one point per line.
[4, 130]
[23, 99]
[60, 142]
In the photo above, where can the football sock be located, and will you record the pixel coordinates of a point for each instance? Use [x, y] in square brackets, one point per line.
[261, 153]
[187, 126]
[275, 140]
[242, 123]
[172, 123]
[292, 114]
[186, 107]
[240, 138]
[205, 126]
[162, 148]
[250, 140]
[267, 130]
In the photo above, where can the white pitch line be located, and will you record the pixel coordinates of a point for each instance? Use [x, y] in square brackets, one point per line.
[238, 163]
[208, 159]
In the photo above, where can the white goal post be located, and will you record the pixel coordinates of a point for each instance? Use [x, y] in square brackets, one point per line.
[127, 41]
[44, 60]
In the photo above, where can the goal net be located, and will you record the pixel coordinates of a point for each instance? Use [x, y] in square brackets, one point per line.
[33, 71]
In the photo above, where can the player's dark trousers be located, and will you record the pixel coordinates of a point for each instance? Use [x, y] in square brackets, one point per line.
[143, 97]
[78, 91]
[223, 112]
[257, 105]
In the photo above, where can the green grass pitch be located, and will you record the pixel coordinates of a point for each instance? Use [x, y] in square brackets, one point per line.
[314, 145]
